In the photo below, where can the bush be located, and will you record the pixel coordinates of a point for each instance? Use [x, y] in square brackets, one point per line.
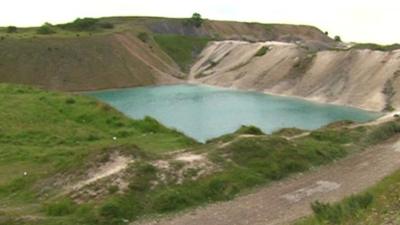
[338, 38]
[70, 101]
[383, 132]
[333, 214]
[196, 20]
[262, 51]
[12, 29]
[336, 213]
[249, 130]
[143, 36]
[106, 25]
[45, 29]
[110, 210]
[79, 24]
[61, 208]
[170, 200]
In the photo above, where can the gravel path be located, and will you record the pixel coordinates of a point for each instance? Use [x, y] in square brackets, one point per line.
[288, 200]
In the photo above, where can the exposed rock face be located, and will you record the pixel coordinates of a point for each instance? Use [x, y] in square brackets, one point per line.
[361, 78]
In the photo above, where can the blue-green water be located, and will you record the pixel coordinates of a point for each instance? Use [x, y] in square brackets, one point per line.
[204, 112]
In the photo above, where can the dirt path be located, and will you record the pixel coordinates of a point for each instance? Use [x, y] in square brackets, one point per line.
[115, 165]
[284, 202]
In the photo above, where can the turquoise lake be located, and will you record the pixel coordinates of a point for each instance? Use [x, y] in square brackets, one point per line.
[204, 112]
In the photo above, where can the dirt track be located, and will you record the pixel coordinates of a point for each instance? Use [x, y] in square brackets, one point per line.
[288, 200]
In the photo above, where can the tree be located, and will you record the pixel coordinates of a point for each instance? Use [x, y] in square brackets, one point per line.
[12, 29]
[196, 20]
[338, 38]
[45, 29]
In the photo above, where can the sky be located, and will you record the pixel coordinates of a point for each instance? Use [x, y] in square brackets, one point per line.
[354, 20]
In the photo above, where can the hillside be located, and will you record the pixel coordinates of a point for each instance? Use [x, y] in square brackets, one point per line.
[362, 78]
[68, 159]
[123, 52]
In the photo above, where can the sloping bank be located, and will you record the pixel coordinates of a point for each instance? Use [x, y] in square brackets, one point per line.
[361, 78]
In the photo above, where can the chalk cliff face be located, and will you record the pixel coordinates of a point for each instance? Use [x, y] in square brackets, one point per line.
[361, 78]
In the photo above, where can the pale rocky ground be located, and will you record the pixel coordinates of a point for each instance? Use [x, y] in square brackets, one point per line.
[361, 78]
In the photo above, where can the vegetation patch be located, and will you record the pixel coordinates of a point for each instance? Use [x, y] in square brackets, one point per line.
[378, 205]
[46, 29]
[262, 51]
[62, 134]
[376, 47]
[182, 49]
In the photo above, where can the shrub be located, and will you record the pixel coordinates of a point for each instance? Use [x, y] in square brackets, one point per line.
[106, 25]
[61, 208]
[79, 24]
[333, 214]
[196, 20]
[249, 130]
[382, 132]
[143, 36]
[12, 29]
[70, 101]
[338, 38]
[336, 213]
[45, 29]
[262, 51]
[170, 200]
[110, 210]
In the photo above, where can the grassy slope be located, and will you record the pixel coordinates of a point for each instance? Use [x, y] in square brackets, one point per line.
[45, 133]
[182, 49]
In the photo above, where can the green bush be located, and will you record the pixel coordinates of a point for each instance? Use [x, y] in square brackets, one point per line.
[110, 210]
[169, 200]
[12, 29]
[144, 37]
[382, 132]
[252, 130]
[85, 24]
[45, 29]
[196, 20]
[337, 213]
[262, 51]
[61, 208]
[106, 25]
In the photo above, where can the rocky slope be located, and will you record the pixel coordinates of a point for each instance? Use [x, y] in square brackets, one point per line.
[125, 56]
[362, 78]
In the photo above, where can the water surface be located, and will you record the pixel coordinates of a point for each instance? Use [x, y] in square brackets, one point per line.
[204, 112]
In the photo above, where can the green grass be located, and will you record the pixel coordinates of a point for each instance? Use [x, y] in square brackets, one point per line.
[376, 47]
[45, 133]
[182, 49]
[377, 205]
[48, 133]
